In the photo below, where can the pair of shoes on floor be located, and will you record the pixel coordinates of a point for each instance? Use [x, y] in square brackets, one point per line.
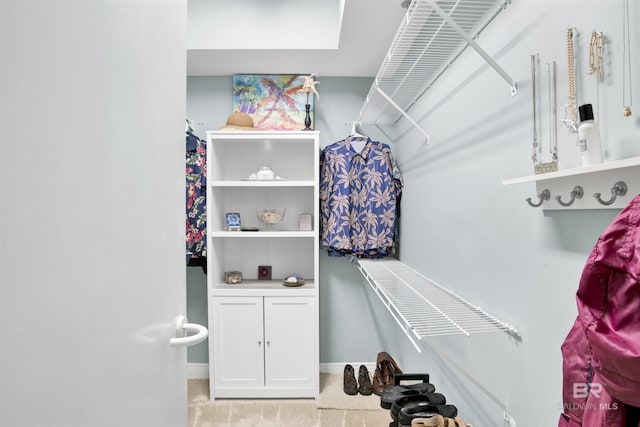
[421, 406]
[408, 413]
[399, 390]
[439, 421]
[383, 376]
[362, 386]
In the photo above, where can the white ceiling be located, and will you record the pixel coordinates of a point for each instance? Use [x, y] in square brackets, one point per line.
[248, 29]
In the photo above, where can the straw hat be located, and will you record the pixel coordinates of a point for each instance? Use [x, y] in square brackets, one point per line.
[239, 121]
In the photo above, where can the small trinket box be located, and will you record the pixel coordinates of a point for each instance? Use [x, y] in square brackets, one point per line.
[305, 222]
[232, 277]
[233, 221]
[264, 272]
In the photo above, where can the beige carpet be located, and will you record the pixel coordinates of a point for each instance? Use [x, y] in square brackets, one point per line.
[333, 397]
[333, 408]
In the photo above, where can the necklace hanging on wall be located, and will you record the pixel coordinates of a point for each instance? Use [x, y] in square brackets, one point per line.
[536, 144]
[626, 62]
[539, 166]
[595, 54]
[595, 63]
[571, 108]
[553, 128]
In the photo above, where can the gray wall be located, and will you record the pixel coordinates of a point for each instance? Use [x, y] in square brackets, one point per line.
[347, 331]
[466, 231]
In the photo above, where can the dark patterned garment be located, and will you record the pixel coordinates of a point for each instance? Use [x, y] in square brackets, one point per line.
[359, 195]
[196, 185]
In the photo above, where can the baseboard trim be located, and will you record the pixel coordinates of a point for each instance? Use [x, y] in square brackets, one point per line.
[201, 370]
[198, 371]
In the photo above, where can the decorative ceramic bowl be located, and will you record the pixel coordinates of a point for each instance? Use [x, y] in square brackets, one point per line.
[271, 216]
[293, 280]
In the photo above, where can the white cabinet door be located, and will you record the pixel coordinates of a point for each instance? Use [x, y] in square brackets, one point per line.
[290, 341]
[238, 342]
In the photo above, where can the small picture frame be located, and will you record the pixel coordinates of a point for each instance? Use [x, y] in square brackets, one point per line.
[264, 272]
[233, 221]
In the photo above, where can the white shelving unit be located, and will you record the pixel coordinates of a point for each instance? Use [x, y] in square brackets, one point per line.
[603, 178]
[264, 335]
[422, 307]
[432, 35]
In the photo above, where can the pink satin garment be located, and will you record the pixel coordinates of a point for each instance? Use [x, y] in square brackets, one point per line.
[601, 353]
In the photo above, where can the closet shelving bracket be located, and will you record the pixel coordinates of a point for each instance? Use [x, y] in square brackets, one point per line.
[476, 46]
[432, 35]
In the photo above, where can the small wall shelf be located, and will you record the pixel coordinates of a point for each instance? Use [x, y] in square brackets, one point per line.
[422, 307]
[616, 183]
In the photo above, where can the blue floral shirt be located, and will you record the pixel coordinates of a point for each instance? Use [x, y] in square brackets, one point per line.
[196, 187]
[359, 192]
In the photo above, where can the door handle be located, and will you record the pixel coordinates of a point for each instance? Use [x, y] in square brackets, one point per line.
[182, 327]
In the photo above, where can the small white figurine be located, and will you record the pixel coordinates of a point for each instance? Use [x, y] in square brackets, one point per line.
[309, 86]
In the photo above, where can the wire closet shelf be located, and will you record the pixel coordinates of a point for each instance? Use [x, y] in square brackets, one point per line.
[424, 308]
[432, 35]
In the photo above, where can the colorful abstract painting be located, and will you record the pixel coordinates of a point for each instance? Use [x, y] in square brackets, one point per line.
[273, 100]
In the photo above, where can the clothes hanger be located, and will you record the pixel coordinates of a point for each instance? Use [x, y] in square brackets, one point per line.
[357, 139]
[356, 131]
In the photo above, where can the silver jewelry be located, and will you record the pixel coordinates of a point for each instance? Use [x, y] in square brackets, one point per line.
[553, 129]
[536, 143]
[626, 62]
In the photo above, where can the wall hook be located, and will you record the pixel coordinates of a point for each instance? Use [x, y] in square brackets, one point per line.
[576, 193]
[545, 195]
[618, 189]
